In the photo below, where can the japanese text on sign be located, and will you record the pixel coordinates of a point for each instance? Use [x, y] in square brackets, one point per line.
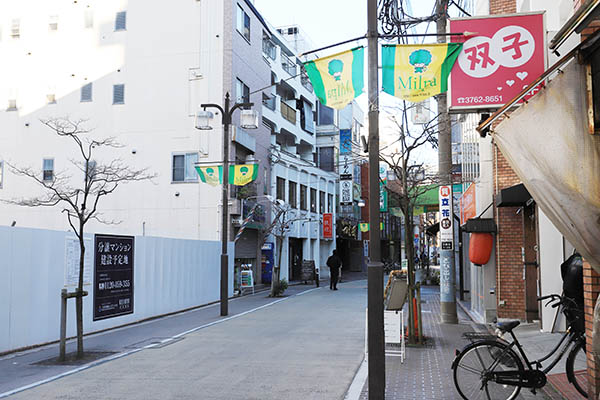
[446, 231]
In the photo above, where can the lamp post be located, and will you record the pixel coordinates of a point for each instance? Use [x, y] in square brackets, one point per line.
[249, 120]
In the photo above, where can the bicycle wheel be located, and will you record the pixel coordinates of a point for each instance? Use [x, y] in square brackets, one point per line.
[577, 367]
[474, 366]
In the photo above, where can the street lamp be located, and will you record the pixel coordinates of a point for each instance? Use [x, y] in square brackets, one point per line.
[249, 120]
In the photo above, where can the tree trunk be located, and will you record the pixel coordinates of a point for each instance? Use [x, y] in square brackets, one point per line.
[408, 245]
[79, 298]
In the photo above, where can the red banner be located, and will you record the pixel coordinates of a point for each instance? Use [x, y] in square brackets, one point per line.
[507, 53]
[328, 226]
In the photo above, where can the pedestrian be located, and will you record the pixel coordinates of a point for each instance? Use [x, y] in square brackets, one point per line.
[334, 263]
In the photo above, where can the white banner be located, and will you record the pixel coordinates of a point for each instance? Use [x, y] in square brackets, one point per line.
[446, 232]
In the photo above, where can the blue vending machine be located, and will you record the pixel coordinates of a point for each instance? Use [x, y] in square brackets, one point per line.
[267, 261]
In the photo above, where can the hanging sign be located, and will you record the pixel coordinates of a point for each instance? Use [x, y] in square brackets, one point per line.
[328, 226]
[211, 174]
[239, 175]
[416, 72]
[446, 231]
[508, 53]
[339, 78]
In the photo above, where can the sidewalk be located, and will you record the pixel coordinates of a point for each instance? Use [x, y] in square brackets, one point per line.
[426, 372]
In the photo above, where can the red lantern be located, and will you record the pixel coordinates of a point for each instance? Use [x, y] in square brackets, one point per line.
[480, 248]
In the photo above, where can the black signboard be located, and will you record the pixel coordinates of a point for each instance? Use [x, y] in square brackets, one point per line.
[307, 273]
[113, 276]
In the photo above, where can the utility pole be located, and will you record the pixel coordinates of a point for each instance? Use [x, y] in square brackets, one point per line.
[447, 273]
[376, 344]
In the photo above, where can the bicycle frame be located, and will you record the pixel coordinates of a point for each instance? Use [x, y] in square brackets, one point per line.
[508, 377]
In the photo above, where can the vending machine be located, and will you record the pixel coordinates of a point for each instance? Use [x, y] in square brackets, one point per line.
[267, 256]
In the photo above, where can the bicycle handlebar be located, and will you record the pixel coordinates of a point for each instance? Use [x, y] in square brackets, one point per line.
[560, 300]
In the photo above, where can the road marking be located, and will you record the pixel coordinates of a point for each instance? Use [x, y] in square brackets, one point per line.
[358, 382]
[306, 291]
[127, 353]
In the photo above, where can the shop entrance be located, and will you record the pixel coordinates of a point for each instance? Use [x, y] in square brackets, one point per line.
[295, 262]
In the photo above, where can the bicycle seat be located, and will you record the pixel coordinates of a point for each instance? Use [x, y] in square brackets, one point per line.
[508, 325]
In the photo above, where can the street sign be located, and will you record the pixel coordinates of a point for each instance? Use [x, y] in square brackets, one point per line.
[508, 53]
[446, 231]
[113, 276]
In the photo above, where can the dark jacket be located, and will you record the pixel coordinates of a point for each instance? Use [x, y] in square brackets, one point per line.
[334, 262]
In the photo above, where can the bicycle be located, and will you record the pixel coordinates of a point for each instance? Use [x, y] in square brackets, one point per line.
[491, 368]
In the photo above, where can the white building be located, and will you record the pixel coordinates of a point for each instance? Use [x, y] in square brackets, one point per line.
[289, 110]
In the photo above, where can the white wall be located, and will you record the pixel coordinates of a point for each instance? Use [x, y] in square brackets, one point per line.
[169, 275]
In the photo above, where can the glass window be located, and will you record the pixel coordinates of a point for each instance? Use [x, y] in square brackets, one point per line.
[183, 167]
[242, 91]
[293, 201]
[313, 200]
[86, 92]
[53, 23]
[119, 94]
[303, 197]
[281, 188]
[324, 115]
[48, 169]
[91, 169]
[243, 23]
[321, 202]
[1, 174]
[326, 160]
[121, 21]
[88, 18]
[329, 203]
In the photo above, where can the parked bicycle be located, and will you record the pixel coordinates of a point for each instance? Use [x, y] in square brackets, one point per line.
[491, 369]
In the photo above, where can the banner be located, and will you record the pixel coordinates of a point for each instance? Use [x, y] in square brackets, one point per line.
[212, 174]
[339, 78]
[416, 72]
[328, 226]
[239, 175]
[364, 226]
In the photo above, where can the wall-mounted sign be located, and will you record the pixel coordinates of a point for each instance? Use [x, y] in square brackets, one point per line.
[113, 276]
[468, 207]
[508, 53]
[345, 141]
[72, 253]
[328, 226]
[446, 231]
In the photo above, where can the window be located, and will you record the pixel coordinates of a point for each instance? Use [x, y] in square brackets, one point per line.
[91, 169]
[313, 200]
[329, 203]
[48, 169]
[326, 160]
[51, 98]
[242, 91]
[121, 21]
[303, 197]
[15, 29]
[321, 202]
[119, 94]
[281, 188]
[293, 193]
[1, 174]
[88, 18]
[86, 92]
[306, 117]
[53, 23]
[269, 49]
[324, 115]
[183, 167]
[243, 23]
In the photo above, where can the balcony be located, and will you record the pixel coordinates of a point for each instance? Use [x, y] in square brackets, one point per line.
[306, 82]
[269, 49]
[288, 112]
[287, 64]
[269, 102]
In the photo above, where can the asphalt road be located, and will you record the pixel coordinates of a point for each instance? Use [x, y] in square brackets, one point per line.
[304, 346]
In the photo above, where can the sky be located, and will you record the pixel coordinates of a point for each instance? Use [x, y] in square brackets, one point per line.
[326, 22]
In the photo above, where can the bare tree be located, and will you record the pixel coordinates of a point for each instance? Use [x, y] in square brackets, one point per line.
[80, 198]
[410, 183]
[282, 223]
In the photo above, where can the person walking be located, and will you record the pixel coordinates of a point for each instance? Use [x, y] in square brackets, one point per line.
[334, 263]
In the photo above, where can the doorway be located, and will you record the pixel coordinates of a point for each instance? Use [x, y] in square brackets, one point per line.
[530, 261]
[295, 262]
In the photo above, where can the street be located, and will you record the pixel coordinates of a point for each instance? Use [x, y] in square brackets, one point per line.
[306, 345]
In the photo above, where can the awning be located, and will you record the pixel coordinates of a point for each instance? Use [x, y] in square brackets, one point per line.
[480, 225]
[514, 196]
[584, 15]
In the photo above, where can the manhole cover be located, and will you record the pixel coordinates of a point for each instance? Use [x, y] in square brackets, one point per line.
[71, 358]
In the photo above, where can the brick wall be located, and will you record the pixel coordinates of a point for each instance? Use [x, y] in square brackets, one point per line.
[509, 263]
[591, 289]
[503, 6]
